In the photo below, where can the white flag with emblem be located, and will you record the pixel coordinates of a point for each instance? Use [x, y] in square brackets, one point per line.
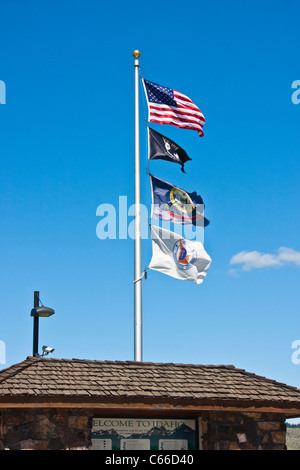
[178, 257]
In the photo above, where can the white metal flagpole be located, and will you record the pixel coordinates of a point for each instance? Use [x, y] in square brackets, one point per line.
[137, 222]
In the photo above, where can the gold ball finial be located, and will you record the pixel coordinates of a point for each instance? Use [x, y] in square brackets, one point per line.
[136, 54]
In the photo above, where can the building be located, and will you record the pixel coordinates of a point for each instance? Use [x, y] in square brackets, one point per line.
[84, 404]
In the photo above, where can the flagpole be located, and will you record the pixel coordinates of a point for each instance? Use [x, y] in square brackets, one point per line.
[137, 223]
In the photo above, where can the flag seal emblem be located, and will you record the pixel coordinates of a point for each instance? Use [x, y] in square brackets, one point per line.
[173, 155]
[181, 200]
[184, 254]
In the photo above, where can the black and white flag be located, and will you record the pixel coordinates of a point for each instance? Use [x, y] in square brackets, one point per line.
[163, 148]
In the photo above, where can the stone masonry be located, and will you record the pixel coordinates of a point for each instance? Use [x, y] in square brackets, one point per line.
[45, 429]
[243, 431]
[70, 429]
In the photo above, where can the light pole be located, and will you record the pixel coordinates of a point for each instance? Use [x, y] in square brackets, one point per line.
[36, 313]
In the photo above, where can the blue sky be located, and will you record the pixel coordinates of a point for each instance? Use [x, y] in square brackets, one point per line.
[67, 146]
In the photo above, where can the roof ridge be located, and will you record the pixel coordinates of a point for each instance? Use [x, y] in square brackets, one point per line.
[143, 363]
[16, 368]
[33, 359]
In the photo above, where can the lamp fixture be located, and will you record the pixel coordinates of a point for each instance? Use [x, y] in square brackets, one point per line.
[37, 312]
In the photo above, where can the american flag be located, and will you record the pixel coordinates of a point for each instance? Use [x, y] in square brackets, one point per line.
[167, 106]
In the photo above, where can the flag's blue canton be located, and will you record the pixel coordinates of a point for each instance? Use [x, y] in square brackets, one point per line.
[160, 94]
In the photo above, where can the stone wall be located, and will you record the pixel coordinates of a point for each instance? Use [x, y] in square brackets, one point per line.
[41, 429]
[55, 429]
[243, 431]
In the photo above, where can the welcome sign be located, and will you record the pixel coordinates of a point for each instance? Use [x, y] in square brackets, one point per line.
[143, 434]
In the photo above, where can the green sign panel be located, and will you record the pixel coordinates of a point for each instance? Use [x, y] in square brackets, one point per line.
[143, 434]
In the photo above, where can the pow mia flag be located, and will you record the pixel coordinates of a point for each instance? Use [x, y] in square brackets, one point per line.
[162, 148]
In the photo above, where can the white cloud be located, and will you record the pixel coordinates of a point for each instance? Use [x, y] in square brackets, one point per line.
[255, 259]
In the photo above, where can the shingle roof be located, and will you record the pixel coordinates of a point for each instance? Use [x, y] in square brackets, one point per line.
[42, 377]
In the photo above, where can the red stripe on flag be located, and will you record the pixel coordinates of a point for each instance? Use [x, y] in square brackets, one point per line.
[183, 118]
[181, 125]
[179, 109]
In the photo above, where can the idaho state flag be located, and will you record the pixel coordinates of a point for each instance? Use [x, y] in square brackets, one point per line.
[176, 205]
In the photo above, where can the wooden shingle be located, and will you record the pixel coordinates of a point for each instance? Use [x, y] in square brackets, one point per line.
[44, 378]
